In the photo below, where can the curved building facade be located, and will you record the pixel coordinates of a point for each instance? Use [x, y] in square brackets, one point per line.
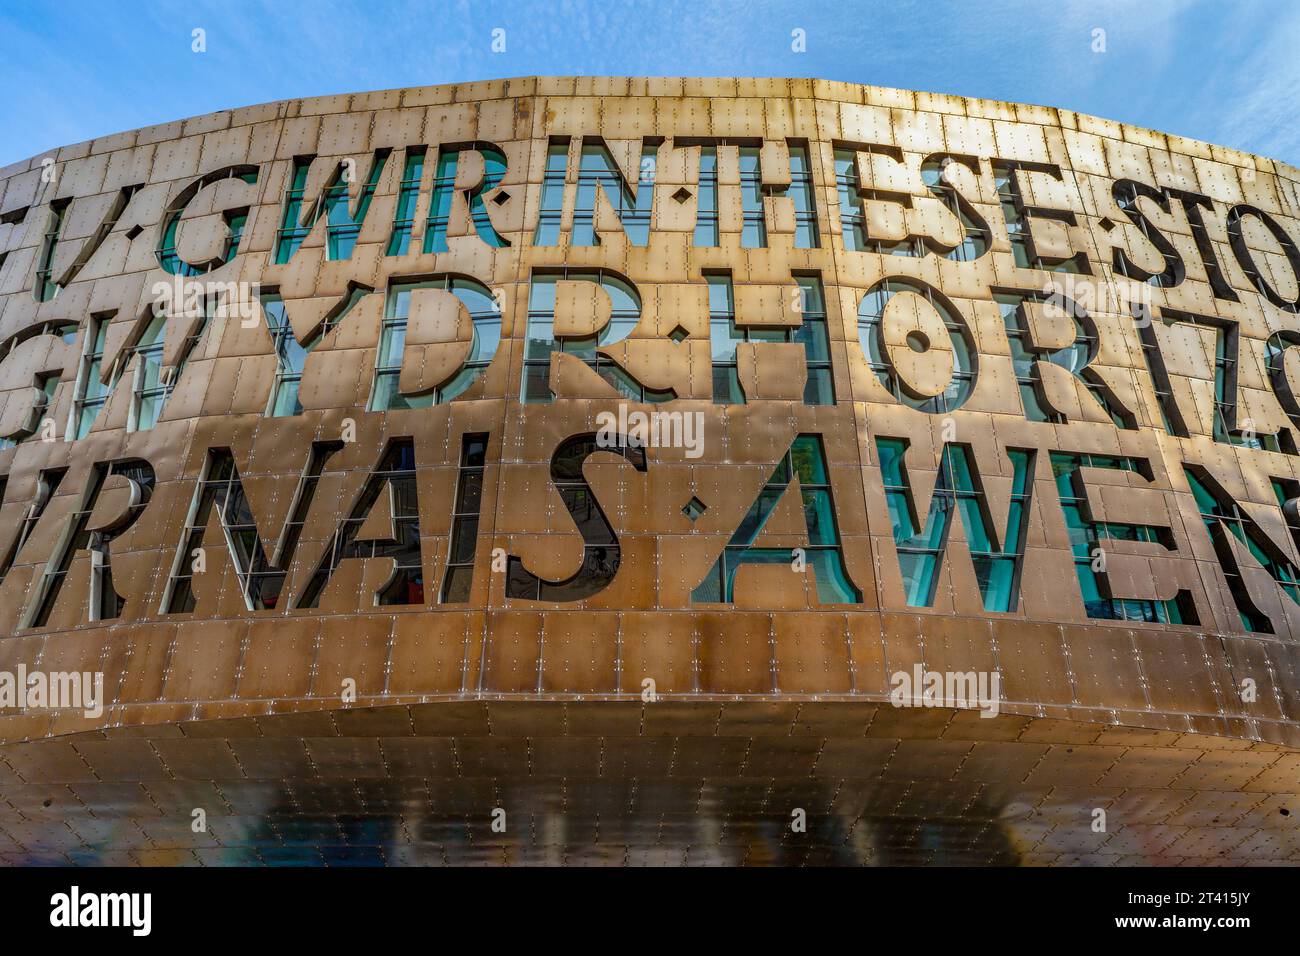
[571, 470]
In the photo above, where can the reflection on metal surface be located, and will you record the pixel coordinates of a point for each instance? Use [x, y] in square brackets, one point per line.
[667, 783]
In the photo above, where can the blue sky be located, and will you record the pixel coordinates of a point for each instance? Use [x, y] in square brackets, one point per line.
[1227, 71]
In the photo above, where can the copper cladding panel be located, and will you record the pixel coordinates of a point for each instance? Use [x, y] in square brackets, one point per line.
[882, 784]
[617, 783]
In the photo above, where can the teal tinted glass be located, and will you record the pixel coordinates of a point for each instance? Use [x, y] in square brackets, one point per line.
[808, 460]
[890, 452]
[956, 490]
[822, 554]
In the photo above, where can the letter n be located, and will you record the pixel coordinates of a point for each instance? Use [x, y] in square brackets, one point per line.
[1224, 520]
[261, 577]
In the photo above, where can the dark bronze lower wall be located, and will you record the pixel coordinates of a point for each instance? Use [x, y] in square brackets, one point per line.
[203, 671]
[668, 783]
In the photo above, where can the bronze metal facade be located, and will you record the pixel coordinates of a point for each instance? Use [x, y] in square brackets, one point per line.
[1103, 311]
